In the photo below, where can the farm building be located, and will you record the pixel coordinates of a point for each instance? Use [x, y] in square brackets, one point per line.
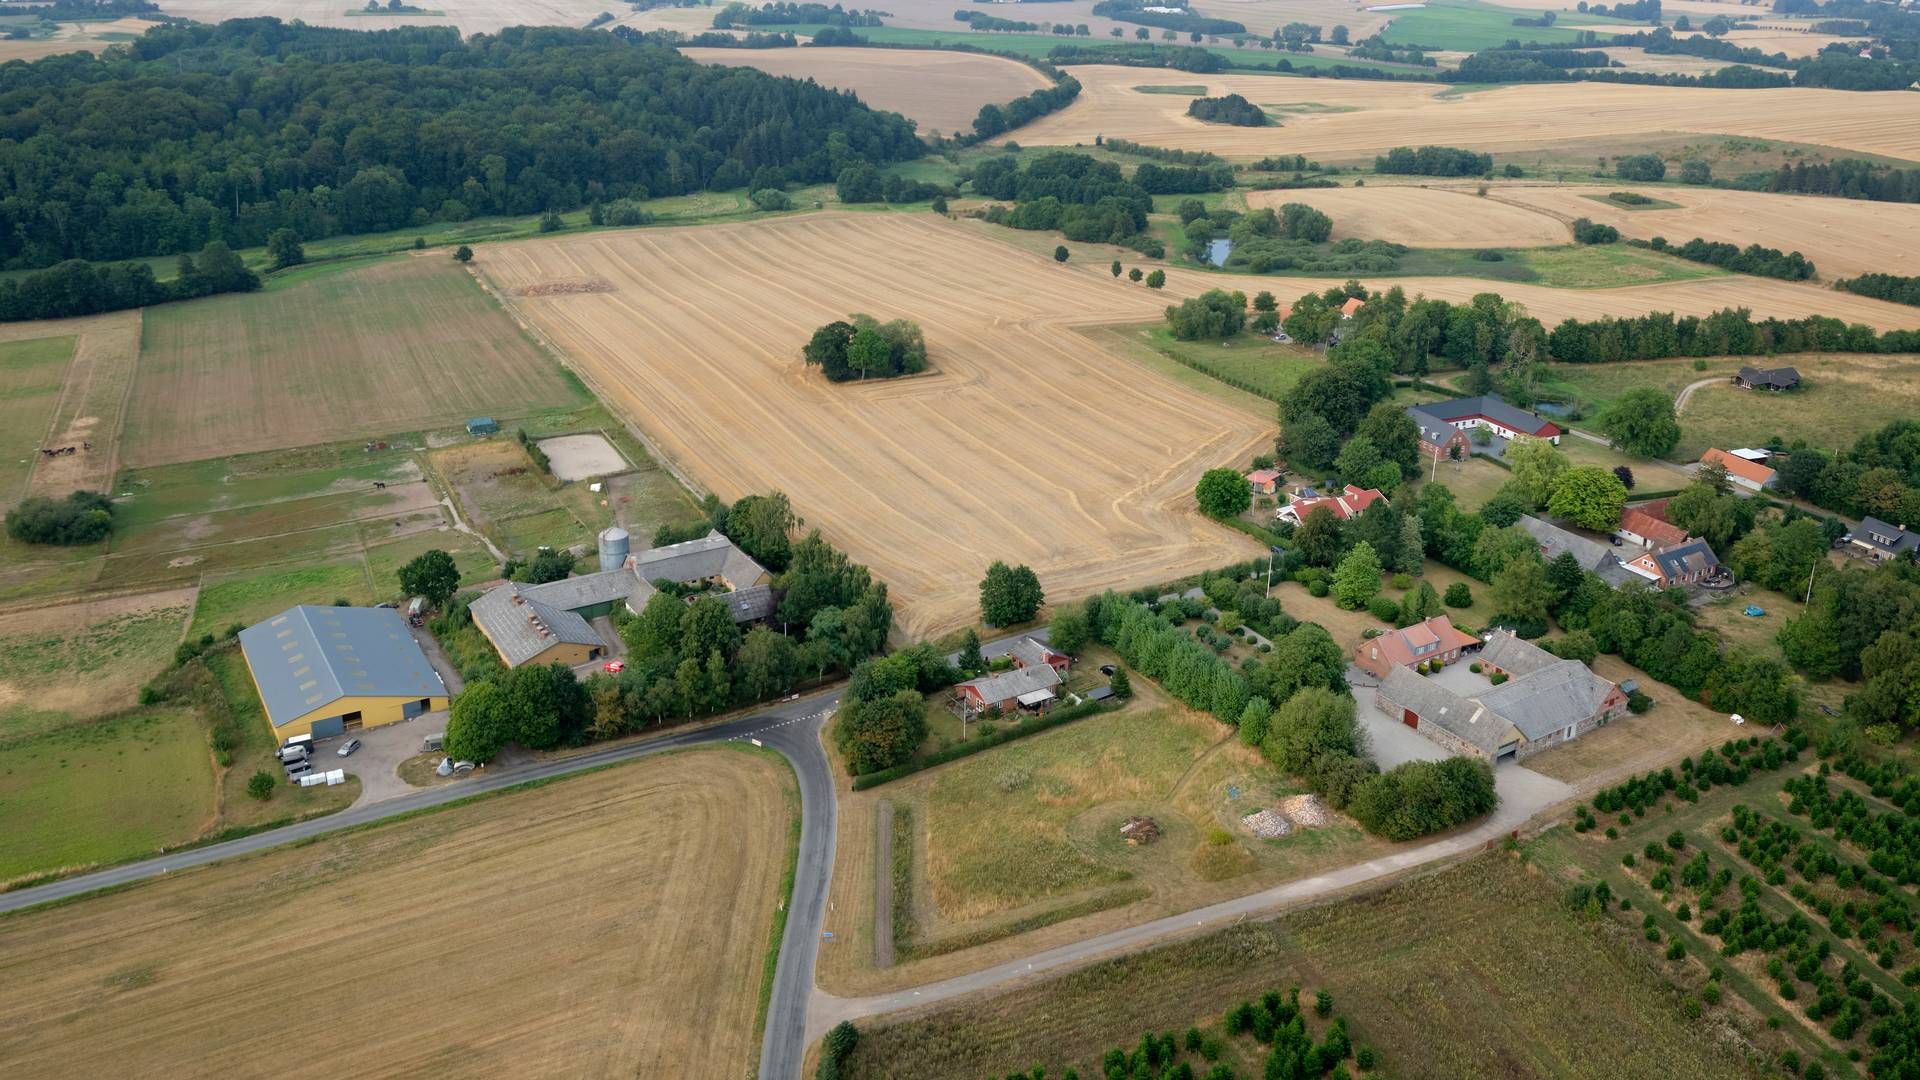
[1029, 688]
[1591, 554]
[1647, 527]
[1553, 702]
[1264, 481]
[1345, 506]
[1352, 307]
[483, 425]
[1780, 378]
[1748, 474]
[549, 623]
[1688, 563]
[1487, 412]
[1029, 652]
[1435, 639]
[322, 671]
[1881, 541]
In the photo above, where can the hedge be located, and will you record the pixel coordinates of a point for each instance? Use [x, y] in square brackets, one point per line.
[1032, 726]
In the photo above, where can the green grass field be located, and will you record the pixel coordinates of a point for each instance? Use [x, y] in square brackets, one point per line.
[1469, 25]
[32, 373]
[256, 751]
[1417, 970]
[53, 676]
[1247, 361]
[102, 792]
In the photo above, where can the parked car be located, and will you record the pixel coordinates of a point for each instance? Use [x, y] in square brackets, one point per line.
[613, 667]
[348, 747]
[298, 769]
[1107, 670]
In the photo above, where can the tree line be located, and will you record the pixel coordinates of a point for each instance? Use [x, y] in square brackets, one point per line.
[78, 287]
[996, 119]
[784, 13]
[1850, 178]
[1184, 21]
[1433, 161]
[1752, 259]
[1898, 289]
[194, 133]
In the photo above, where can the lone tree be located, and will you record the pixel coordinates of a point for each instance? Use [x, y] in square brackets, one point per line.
[463, 253]
[1009, 594]
[1157, 279]
[1642, 422]
[1060, 253]
[1121, 686]
[260, 785]
[1134, 274]
[1116, 263]
[283, 248]
[431, 574]
[1357, 579]
[1223, 493]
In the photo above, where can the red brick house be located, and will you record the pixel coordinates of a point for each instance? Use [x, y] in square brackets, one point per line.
[1435, 639]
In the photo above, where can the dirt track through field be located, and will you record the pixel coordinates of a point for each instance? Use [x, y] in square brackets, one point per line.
[610, 925]
[92, 406]
[1027, 443]
[1843, 237]
[1387, 114]
[1422, 217]
[942, 91]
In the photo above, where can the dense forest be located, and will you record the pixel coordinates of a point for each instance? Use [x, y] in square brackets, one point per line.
[1090, 201]
[199, 133]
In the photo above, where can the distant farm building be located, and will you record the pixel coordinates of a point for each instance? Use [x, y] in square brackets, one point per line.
[550, 623]
[1264, 481]
[483, 425]
[1486, 411]
[323, 671]
[1748, 474]
[1780, 378]
[1549, 702]
[1345, 506]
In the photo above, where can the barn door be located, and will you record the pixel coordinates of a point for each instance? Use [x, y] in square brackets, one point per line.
[1408, 718]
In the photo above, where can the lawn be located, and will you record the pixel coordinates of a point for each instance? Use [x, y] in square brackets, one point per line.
[424, 345]
[1417, 970]
[1469, 26]
[32, 373]
[256, 751]
[102, 792]
[1473, 481]
[1840, 399]
[1246, 361]
[246, 600]
[58, 665]
[1606, 266]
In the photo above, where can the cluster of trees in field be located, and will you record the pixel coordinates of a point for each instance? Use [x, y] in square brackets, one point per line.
[83, 517]
[1215, 314]
[1184, 22]
[1752, 259]
[1586, 231]
[1849, 178]
[867, 348]
[1176, 57]
[1183, 179]
[750, 40]
[784, 13]
[1293, 237]
[78, 287]
[1276, 1021]
[1230, 109]
[1010, 595]
[996, 119]
[1376, 48]
[1169, 154]
[196, 133]
[1900, 290]
[1087, 199]
[1433, 161]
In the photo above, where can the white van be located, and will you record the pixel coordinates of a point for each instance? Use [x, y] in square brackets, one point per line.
[298, 769]
[304, 742]
[291, 754]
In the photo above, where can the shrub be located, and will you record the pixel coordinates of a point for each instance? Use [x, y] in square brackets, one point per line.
[1474, 667]
[1459, 596]
[260, 785]
[1323, 1004]
[1497, 678]
[1060, 254]
[83, 517]
[1384, 609]
[1403, 581]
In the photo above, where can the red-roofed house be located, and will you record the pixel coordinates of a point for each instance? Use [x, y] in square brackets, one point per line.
[1435, 639]
[1264, 481]
[1353, 305]
[1748, 474]
[1344, 506]
[1649, 528]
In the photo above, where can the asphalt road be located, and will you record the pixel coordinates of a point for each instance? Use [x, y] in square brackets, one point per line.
[791, 728]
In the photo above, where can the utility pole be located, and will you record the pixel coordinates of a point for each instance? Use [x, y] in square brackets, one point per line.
[1811, 570]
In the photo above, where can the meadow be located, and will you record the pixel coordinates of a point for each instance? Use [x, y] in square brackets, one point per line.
[650, 889]
[32, 373]
[77, 661]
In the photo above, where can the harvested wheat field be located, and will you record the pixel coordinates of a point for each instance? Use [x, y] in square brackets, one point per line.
[1795, 43]
[396, 345]
[1026, 443]
[1843, 237]
[471, 16]
[75, 37]
[1388, 114]
[941, 91]
[613, 924]
[1423, 216]
[1669, 63]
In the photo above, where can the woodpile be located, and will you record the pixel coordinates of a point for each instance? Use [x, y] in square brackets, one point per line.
[1140, 830]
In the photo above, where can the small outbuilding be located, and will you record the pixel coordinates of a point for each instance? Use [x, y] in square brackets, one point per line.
[1780, 378]
[483, 425]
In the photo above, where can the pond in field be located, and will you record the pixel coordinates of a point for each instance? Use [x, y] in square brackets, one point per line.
[1217, 252]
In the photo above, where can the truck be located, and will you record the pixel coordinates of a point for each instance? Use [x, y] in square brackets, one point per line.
[433, 742]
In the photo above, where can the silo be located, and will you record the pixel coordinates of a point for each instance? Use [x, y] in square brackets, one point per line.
[614, 543]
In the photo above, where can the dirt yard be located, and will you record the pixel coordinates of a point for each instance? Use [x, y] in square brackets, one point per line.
[1423, 216]
[941, 91]
[396, 345]
[1387, 114]
[1027, 443]
[605, 925]
[1843, 237]
[580, 457]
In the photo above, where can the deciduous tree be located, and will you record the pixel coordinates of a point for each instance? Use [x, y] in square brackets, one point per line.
[431, 574]
[1590, 496]
[1223, 493]
[1642, 422]
[1009, 595]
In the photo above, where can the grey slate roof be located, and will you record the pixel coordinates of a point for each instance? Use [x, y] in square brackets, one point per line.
[1561, 694]
[307, 656]
[524, 629]
[1489, 406]
[1682, 560]
[1871, 528]
[1592, 554]
[1432, 428]
[711, 556]
[1435, 704]
[994, 689]
[587, 590]
[1780, 377]
[1513, 654]
[1029, 652]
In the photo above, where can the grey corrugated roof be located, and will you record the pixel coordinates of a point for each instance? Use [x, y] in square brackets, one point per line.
[755, 602]
[1780, 376]
[711, 556]
[1511, 653]
[1011, 684]
[1552, 698]
[574, 593]
[1592, 554]
[1437, 705]
[515, 628]
[307, 656]
[1489, 406]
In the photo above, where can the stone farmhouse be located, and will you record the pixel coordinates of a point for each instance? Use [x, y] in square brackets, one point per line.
[1544, 702]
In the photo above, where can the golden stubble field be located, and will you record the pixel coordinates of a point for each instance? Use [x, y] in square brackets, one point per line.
[610, 924]
[1027, 443]
[1843, 237]
[1387, 114]
[470, 16]
[941, 91]
[1423, 216]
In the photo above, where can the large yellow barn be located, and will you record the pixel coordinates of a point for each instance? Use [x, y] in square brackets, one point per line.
[325, 671]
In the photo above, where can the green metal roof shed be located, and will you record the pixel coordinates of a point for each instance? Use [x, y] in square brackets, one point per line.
[483, 425]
